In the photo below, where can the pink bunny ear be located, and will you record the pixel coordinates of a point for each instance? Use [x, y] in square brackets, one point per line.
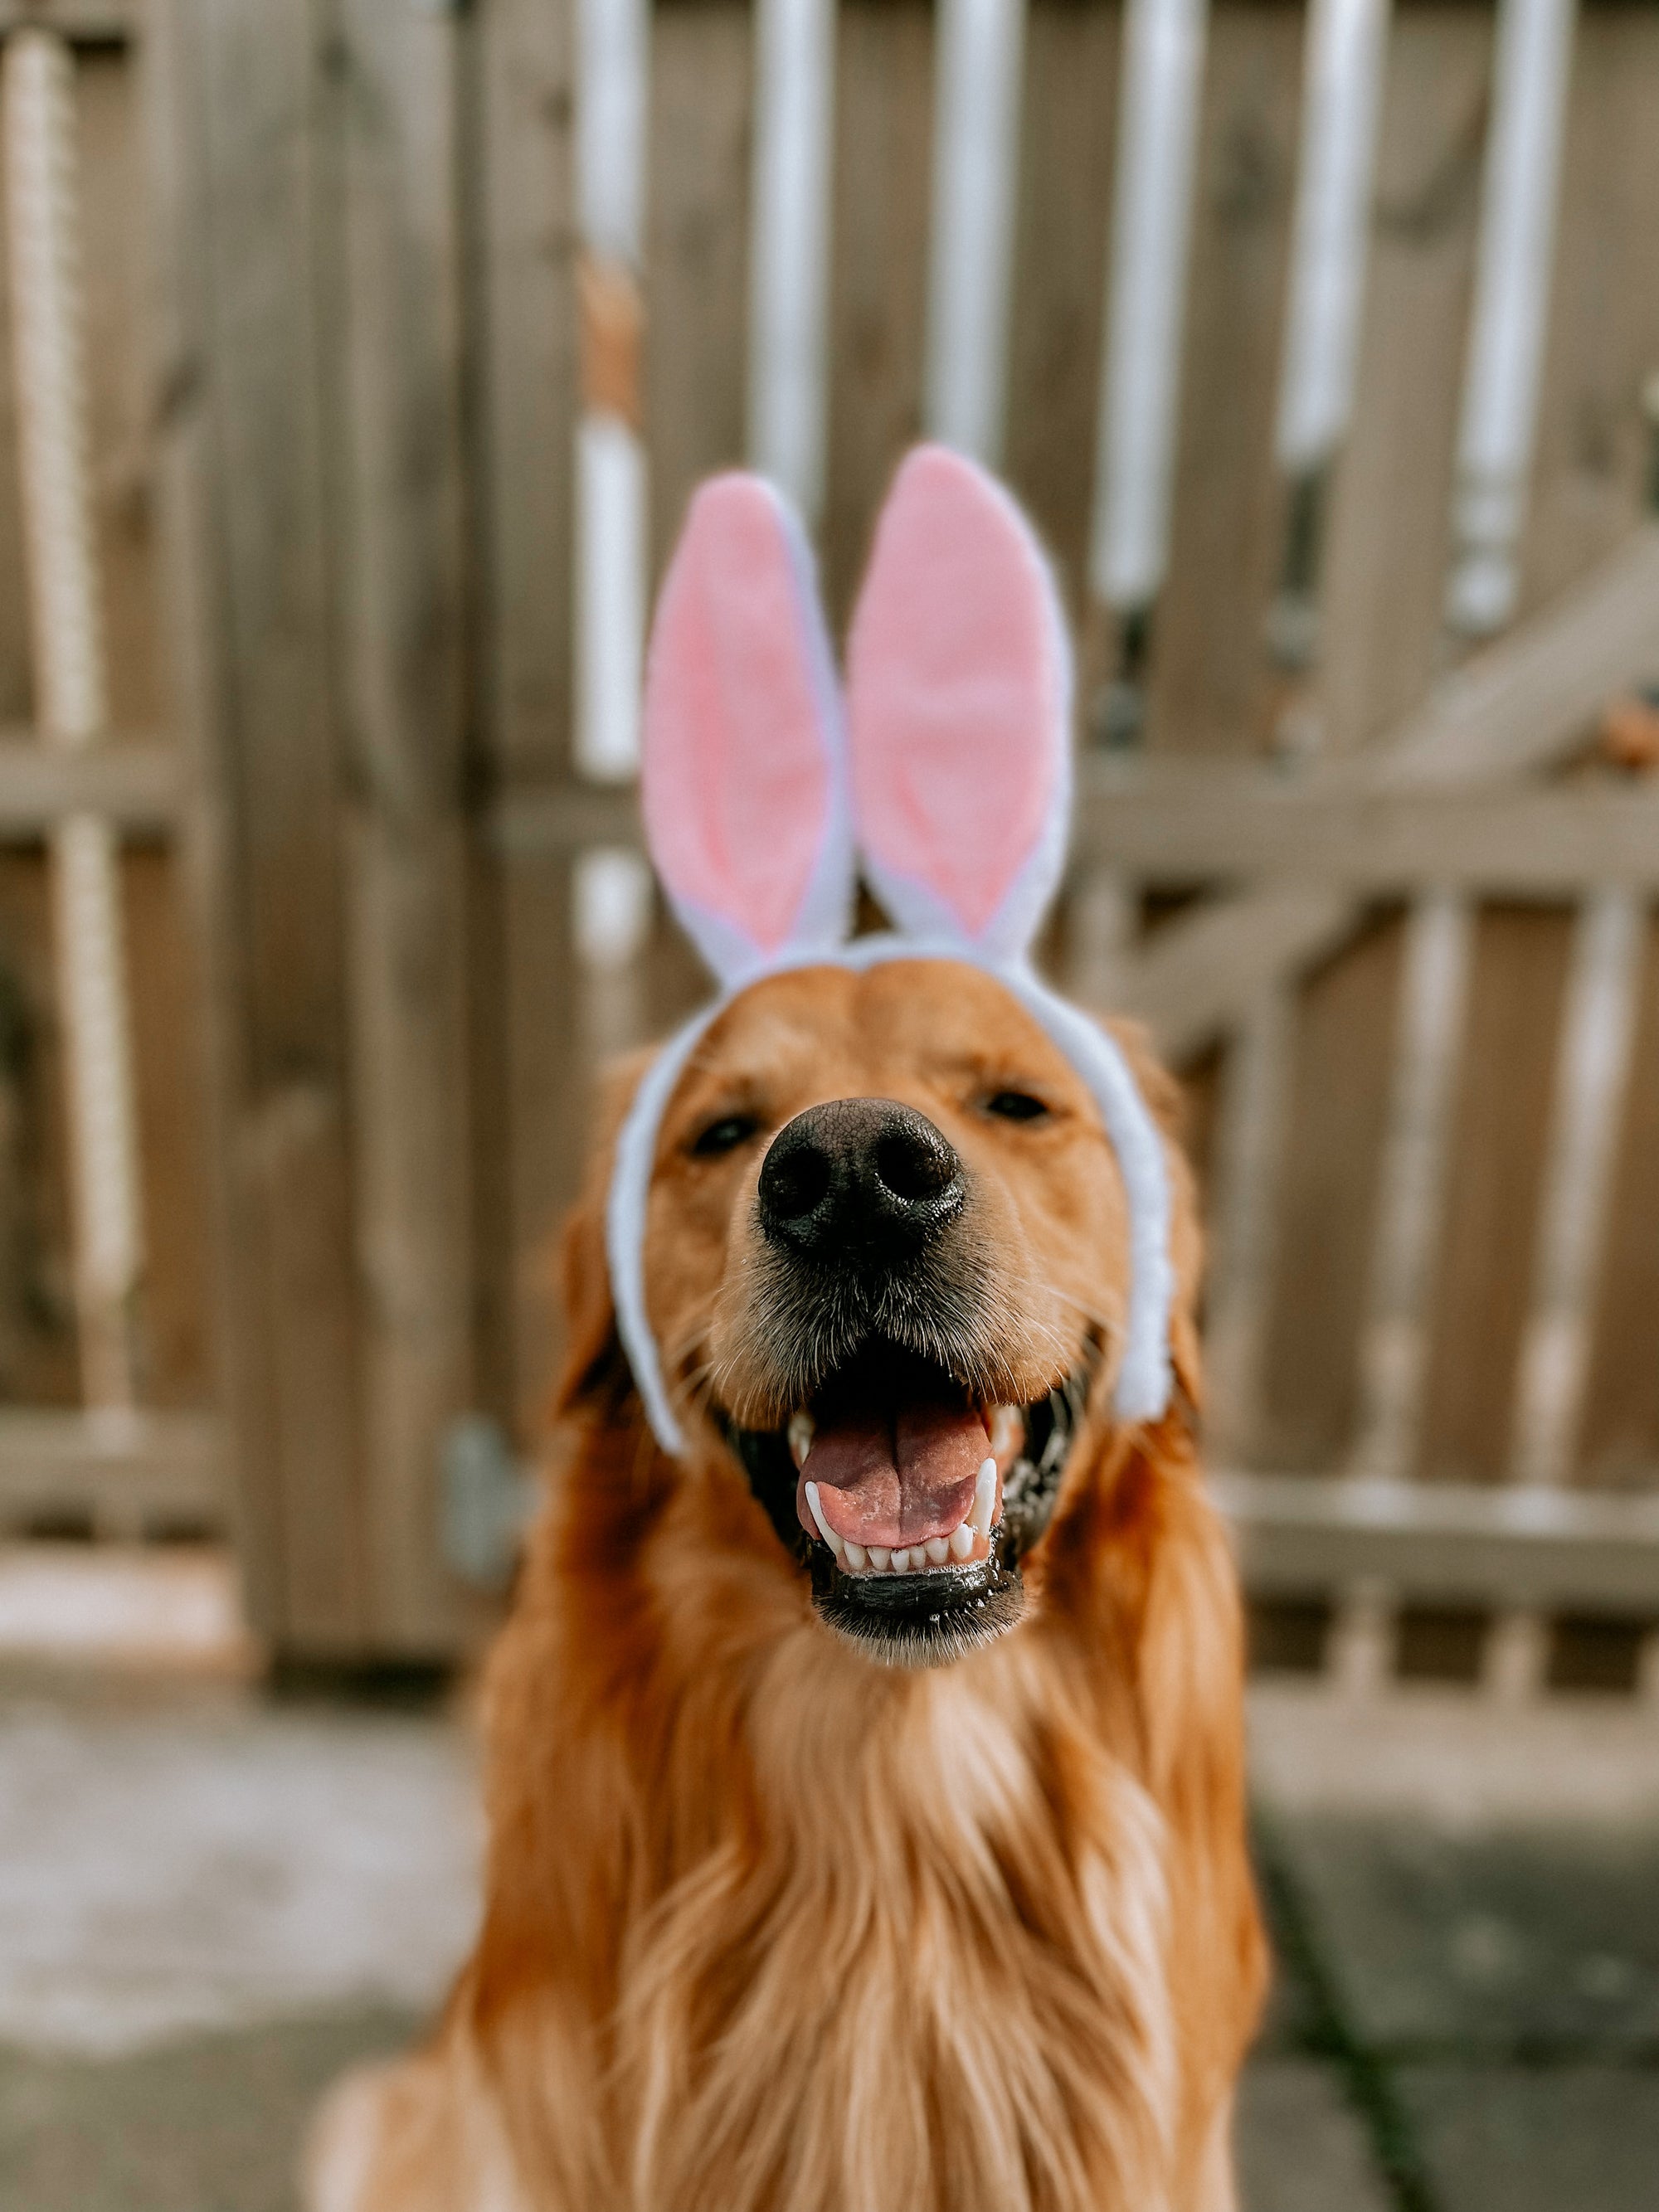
[959, 690]
[743, 774]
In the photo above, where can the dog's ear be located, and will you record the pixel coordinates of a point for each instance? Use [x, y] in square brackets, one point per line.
[959, 705]
[743, 767]
[595, 1373]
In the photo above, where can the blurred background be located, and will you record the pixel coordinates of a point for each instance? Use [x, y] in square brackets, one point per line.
[358, 358]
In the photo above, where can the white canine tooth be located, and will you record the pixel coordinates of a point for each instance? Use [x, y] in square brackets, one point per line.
[901, 1559]
[938, 1550]
[801, 1428]
[856, 1556]
[984, 1497]
[1007, 1432]
[962, 1540]
[880, 1557]
[817, 1511]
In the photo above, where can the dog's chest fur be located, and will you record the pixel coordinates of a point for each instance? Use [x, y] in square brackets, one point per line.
[920, 1962]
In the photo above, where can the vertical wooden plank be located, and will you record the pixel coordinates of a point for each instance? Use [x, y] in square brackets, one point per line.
[1591, 468]
[615, 917]
[174, 1350]
[526, 1123]
[1484, 1274]
[1333, 1145]
[1385, 575]
[1598, 1021]
[794, 103]
[1208, 680]
[1160, 97]
[1618, 1442]
[1202, 1084]
[1344, 51]
[39, 1356]
[696, 248]
[550, 1112]
[677, 983]
[172, 1354]
[1244, 1194]
[1436, 957]
[1060, 273]
[311, 1537]
[524, 216]
[403, 550]
[1497, 402]
[232, 99]
[113, 188]
[981, 49]
[612, 84]
[15, 685]
[879, 279]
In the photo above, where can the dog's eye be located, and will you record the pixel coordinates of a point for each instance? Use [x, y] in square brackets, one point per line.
[725, 1135]
[1015, 1106]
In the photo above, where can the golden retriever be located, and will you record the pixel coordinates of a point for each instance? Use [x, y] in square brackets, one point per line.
[865, 1785]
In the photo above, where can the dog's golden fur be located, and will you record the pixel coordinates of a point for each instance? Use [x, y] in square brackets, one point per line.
[768, 1928]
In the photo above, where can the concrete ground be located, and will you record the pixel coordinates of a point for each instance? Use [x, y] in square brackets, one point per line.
[1465, 1904]
[211, 1900]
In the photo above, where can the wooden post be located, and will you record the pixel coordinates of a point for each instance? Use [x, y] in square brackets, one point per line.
[401, 591]
[230, 97]
[309, 381]
[526, 188]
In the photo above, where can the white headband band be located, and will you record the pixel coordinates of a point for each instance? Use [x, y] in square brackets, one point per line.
[959, 705]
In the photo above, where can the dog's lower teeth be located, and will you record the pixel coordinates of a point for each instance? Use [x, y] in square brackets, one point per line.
[963, 1544]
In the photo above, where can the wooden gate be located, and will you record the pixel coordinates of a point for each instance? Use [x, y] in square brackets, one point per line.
[1317, 341]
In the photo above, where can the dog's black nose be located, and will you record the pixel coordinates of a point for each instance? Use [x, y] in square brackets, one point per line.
[864, 1180]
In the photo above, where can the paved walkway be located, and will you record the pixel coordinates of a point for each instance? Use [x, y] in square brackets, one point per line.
[210, 1903]
[1466, 1904]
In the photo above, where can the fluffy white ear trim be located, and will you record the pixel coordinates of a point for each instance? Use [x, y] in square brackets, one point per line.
[742, 773]
[959, 702]
[625, 1214]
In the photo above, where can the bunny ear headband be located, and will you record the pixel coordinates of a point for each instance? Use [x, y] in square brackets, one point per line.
[948, 769]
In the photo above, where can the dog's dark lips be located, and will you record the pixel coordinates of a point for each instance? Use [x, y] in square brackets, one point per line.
[931, 1617]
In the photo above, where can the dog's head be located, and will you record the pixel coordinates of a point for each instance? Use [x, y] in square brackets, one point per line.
[872, 1228]
[887, 1259]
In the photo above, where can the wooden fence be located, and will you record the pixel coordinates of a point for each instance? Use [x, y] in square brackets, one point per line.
[410, 328]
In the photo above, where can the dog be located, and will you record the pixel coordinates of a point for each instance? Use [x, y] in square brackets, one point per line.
[865, 1772]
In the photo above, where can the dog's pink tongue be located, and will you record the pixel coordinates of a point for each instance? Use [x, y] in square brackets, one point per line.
[895, 1479]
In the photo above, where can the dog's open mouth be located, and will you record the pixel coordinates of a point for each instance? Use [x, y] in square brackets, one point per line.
[914, 1502]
